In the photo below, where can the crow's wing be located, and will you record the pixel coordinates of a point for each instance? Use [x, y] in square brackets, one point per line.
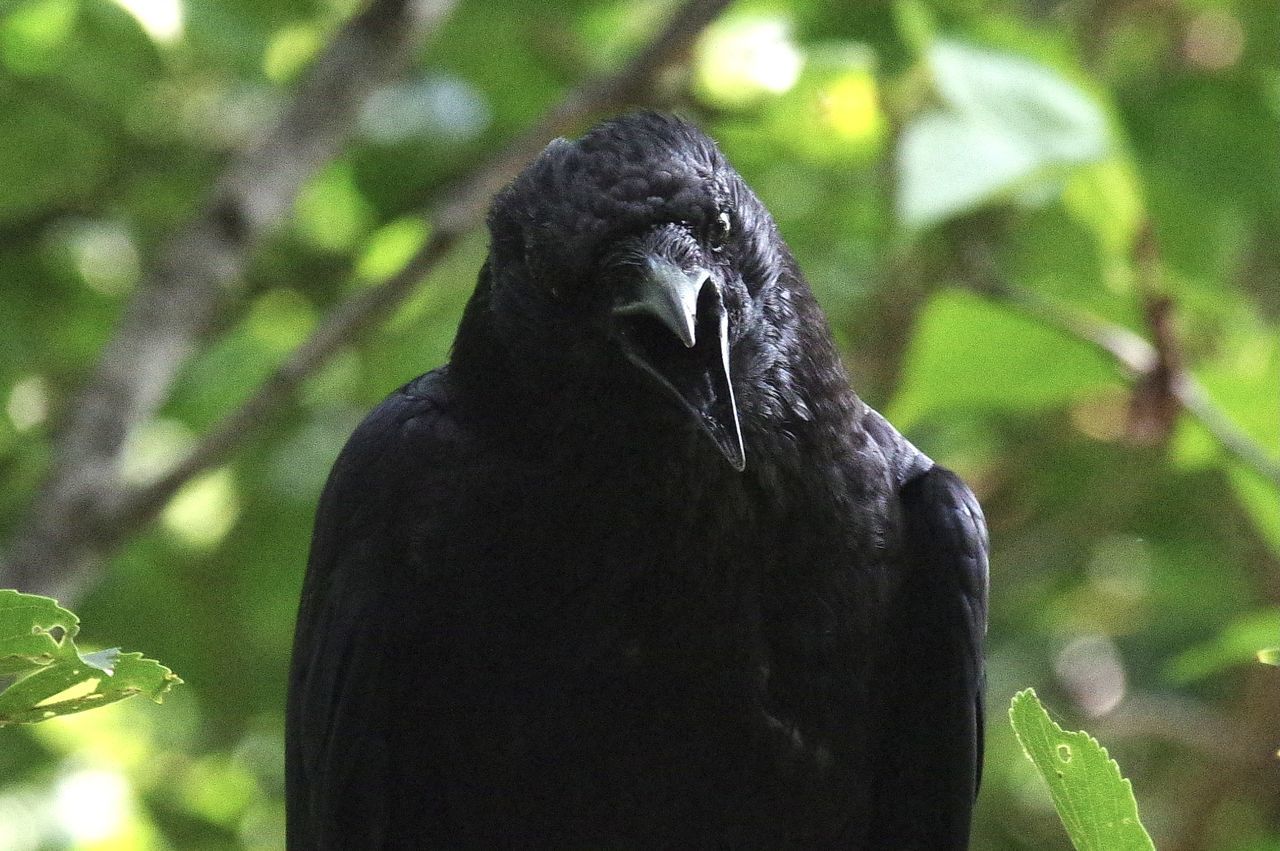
[934, 675]
[340, 729]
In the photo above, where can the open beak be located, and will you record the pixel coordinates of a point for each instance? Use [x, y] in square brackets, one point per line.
[673, 325]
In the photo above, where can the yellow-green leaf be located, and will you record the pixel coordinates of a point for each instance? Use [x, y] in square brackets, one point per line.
[51, 677]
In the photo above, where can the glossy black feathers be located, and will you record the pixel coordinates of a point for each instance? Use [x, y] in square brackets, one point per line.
[543, 610]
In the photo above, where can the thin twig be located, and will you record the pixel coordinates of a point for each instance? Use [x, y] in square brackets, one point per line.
[197, 273]
[1136, 356]
[347, 321]
[1195, 400]
[111, 521]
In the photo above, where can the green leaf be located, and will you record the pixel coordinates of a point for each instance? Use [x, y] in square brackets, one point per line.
[1236, 644]
[1007, 128]
[52, 676]
[832, 115]
[916, 23]
[34, 631]
[331, 212]
[1093, 800]
[50, 156]
[968, 353]
[31, 35]
[1106, 197]
[390, 247]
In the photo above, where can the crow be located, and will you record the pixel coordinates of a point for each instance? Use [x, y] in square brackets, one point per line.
[637, 568]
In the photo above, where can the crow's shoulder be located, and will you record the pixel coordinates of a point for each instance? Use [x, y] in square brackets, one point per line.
[902, 460]
[419, 416]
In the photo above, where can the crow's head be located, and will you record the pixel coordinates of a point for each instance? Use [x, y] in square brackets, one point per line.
[637, 244]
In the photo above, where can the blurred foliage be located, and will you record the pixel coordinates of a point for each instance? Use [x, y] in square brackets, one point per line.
[1133, 576]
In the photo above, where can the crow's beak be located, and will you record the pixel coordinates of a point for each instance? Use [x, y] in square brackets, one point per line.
[673, 325]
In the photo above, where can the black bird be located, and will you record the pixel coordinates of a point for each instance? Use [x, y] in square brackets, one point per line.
[637, 569]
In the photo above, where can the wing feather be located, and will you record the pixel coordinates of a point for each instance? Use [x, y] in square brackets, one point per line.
[934, 673]
[339, 724]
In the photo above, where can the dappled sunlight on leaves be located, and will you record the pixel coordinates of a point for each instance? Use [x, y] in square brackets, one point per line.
[291, 49]
[204, 511]
[745, 58]
[28, 403]
[32, 35]
[1007, 125]
[161, 19]
[331, 213]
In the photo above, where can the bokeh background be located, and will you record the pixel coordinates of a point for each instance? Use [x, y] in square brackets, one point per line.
[997, 201]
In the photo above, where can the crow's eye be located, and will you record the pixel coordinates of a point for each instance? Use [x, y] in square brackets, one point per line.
[718, 234]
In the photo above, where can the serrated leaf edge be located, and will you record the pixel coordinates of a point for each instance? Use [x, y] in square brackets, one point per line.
[1028, 697]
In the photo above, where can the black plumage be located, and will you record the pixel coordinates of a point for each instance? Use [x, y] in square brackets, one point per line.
[637, 568]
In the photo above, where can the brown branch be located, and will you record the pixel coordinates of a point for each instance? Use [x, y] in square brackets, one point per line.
[347, 321]
[459, 212]
[461, 209]
[1140, 360]
[1153, 404]
[196, 274]
[627, 87]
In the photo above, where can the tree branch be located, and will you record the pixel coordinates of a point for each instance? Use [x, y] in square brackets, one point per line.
[196, 274]
[1139, 359]
[460, 210]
